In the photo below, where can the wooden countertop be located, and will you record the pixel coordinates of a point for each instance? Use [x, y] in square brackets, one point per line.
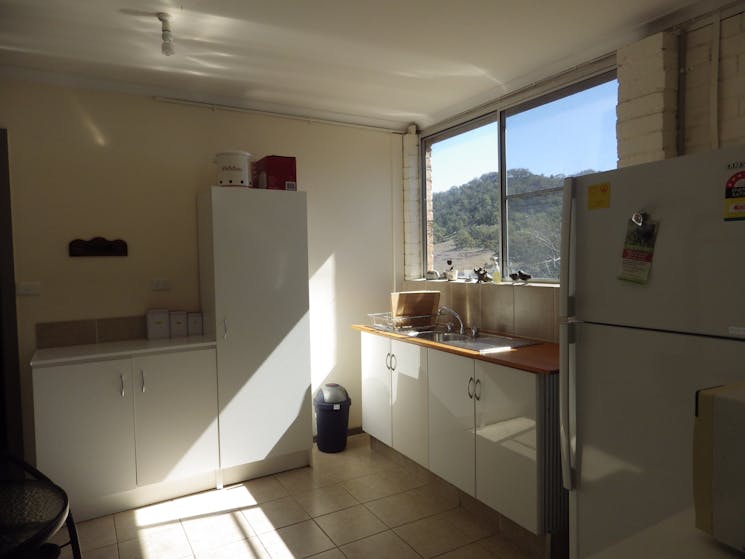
[542, 358]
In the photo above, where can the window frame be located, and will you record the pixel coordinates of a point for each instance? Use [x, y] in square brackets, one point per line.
[500, 117]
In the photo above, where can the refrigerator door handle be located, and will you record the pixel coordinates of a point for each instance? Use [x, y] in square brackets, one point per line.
[566, 376]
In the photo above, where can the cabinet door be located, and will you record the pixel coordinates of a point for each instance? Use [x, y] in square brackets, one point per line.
[376, 386]
[175, 415]
[261, 310]
[451, 418]
[506, 447]
[409, 397]
[84, 428]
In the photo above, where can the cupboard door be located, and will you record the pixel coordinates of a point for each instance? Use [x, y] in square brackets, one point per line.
[175, 415]
[409, 416]
[506, 442]
[376, 386]
[260, 256]
[84, 428]
[451, 418]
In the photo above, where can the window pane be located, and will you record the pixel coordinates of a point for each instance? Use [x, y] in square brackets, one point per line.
[463, 182]
[534, 234]
[573, 135]
[570, 136]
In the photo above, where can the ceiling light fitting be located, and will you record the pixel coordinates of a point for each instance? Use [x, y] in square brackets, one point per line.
[167, 46]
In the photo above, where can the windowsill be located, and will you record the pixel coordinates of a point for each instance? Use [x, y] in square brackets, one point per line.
[536, 283]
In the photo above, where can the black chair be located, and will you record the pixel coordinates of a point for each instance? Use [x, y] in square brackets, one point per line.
[32, 510]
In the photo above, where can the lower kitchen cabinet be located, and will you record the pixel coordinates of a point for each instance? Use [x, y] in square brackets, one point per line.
[175, 408]
[394, 395]
[376, 386]
[85, 439]
[110, 426]
[488, 429]
[493, 433]
[409, 400]
[506, 442]
[451, 418]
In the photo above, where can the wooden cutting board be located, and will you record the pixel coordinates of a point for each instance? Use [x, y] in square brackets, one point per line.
[406, 304]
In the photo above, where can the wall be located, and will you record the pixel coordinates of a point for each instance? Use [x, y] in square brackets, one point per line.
[85, 163]
[655, 119]
[714, 112]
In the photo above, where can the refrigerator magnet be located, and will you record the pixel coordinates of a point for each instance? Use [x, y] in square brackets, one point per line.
[638, 248]
[598, 196]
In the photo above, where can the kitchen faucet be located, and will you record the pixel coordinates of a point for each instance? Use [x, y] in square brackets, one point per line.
[444, 309]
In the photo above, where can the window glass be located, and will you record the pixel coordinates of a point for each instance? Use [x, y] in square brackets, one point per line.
[573, 135]
[534, 231]
[465, 201]
[565, 134]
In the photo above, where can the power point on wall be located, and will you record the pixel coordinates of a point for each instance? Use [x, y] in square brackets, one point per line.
[160, 284]
[26, 288]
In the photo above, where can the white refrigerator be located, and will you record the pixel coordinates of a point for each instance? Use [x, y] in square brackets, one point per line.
[652, 310]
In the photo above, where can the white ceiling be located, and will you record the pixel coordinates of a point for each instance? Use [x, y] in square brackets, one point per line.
[384, 63]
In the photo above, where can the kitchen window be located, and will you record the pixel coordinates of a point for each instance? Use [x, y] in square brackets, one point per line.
[493, 187]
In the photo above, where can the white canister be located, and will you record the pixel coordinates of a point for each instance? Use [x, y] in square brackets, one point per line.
[233, 168]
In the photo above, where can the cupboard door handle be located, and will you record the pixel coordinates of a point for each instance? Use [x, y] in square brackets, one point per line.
[121, 378]
[477, 389]
[394, 362]
[142, 379]
[470, 382]
[225, 328]
[388, 361]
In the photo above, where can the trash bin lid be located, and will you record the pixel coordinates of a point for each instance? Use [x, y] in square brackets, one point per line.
[332, 393]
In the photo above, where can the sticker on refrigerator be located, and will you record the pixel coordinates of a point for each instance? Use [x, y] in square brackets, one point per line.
[598, 196]
[638, 248]
[734, 197]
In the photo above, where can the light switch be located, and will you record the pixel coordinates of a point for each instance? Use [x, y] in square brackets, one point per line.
[26, 288]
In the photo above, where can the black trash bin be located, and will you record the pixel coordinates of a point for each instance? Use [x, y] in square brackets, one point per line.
[332, 417]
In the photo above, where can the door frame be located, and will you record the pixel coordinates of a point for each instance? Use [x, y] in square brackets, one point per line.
[11, 430]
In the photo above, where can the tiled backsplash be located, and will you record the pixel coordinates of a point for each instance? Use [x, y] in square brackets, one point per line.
[93, 331]
[530, 310]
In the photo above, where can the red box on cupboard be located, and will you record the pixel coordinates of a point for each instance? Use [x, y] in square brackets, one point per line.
[275, 172]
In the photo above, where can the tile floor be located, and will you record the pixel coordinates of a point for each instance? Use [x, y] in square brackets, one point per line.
[366, 502]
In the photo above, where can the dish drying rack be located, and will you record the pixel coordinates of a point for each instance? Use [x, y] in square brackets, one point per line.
[403, 323]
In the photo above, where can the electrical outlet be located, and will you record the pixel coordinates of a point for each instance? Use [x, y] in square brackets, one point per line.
[26, 288]
[160, 284]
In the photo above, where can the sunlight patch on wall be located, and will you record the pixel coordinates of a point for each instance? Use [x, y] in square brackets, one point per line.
[323, 322]
[98, 138]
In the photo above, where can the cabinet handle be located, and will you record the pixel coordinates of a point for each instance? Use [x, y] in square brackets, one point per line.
[388, 361]
[394, 362]
[470, 382]
[225, 328]
[121, 378]
[477, 389]
[142, 379]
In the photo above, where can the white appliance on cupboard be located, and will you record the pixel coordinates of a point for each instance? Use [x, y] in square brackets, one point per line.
[253, 261]
[634, 353]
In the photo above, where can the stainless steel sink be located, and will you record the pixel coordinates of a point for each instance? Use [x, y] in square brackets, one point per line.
[483, 343]
[442, 337]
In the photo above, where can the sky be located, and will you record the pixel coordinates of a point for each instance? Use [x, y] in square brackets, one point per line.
[566, 136]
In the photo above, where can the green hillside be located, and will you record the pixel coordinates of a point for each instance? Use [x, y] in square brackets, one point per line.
[467, 217]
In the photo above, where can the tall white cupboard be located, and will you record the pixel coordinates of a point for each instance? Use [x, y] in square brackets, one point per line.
[253, 264]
